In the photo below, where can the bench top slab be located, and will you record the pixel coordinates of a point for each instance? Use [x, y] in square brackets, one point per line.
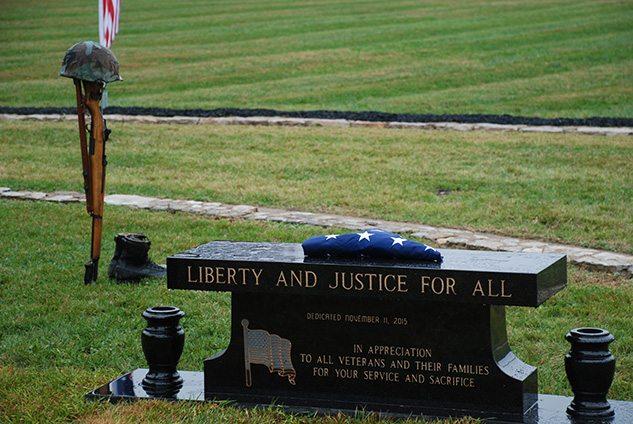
[466, 276]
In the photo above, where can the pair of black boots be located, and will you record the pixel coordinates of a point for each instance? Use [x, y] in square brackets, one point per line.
[131, 261]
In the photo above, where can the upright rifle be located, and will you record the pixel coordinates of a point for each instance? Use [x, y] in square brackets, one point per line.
[94, 166]
[92, 66]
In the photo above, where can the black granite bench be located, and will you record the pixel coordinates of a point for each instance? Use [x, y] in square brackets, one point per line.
[393, 337]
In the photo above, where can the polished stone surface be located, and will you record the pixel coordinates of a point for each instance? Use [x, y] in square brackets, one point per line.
[129, 387]
[550, 409]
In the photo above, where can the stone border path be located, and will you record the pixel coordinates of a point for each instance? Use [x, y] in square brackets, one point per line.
[307, 122]
[443, 237]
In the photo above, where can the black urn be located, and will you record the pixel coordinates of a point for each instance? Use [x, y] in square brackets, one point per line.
[163, 340]
[590, 368]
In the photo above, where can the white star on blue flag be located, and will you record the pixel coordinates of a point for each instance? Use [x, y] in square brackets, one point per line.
[398, 240]
[364, 236]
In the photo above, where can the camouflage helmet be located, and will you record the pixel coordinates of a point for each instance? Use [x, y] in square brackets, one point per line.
[89, 61]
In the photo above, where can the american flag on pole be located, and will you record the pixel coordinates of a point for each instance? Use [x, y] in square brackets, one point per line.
[374, 243]
[109, 11]
[261, 347]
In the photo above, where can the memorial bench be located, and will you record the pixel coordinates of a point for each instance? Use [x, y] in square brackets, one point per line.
[397, 337]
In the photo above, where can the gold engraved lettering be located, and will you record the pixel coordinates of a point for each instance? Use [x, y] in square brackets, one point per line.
[361, 361]
[371, 281]
[345, 285]
[402, 364]
[219, 275]
[257, 274]
[450, 286]
[299, 278]
[428, 366]
[189, 279]
[438, 285]
[354, 281]
[216, 275]
[413, 352]
[319, 316]
[333, 287]
[381, 375]
[503, 289]
[388, 277]
[346, 373]
[296, 277]
[414, 378]
[310, 279]
[243, 270]
[478, 289]
[320, 372]
[231, 275]
[493, 290]
[325, 360]
[282, 279]
[369, 319]
[402, 283]
[490, 290]
[468, 369]
[208, 275]
[445, 380]
[357, 281]
[425, 282]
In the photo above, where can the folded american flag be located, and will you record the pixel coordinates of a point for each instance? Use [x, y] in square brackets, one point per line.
[375, 243]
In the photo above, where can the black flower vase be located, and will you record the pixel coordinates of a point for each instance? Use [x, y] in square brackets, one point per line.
[590, 367]
[163, 340]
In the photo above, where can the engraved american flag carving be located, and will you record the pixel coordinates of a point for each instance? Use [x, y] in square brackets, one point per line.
[261, 347]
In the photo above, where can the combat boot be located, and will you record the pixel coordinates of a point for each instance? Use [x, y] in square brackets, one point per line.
[131, 261]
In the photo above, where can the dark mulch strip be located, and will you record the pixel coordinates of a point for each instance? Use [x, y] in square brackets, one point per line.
[328, 114]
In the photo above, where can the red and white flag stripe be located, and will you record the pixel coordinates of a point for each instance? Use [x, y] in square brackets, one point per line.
[109, 11]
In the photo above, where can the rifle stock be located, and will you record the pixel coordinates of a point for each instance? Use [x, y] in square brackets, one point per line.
[94, 161]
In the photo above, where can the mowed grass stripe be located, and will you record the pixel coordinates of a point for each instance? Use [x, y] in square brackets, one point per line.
[281, 63]
[395, 80]
[327, 55]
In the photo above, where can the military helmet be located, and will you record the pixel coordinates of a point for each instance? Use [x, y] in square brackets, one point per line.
[89, 61]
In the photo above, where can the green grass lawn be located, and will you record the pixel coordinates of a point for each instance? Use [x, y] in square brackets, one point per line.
[559, 188]
[534, 58]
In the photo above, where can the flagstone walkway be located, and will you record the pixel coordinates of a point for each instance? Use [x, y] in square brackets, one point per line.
[441, 237]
